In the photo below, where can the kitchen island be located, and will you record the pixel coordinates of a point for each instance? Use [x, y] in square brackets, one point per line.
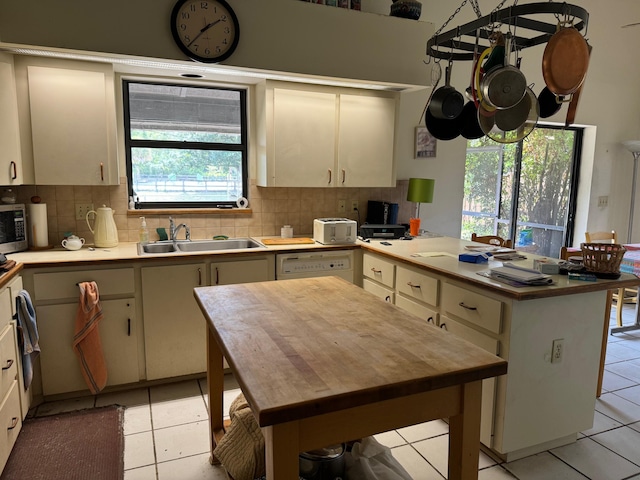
[554, 337]
[320, 363]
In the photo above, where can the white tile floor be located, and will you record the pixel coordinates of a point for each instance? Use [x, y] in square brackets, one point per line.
[166, 431]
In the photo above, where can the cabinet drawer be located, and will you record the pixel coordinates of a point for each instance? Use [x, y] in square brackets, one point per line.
[8, 360]
[59, 285]
[10, 423]
[475, 308]
[378, 290]
[417, 309]
[479, 339]
[417, 285]
[378, 269]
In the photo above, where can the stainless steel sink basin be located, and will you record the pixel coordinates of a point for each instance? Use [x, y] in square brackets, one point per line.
[197, 246]
[215, 245]
[157, 248]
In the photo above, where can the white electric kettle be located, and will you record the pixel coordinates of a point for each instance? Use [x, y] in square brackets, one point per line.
[105, 233]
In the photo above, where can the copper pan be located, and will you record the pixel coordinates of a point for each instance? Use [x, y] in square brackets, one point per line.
[573, 105]
[565, 61]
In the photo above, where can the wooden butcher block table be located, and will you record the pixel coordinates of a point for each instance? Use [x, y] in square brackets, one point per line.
[321, 361]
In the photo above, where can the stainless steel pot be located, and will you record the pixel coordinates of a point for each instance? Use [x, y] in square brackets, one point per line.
[323, 464]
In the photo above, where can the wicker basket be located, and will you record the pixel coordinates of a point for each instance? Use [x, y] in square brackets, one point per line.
[603, 259]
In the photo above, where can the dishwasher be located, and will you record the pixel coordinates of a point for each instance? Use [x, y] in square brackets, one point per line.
[317, 264]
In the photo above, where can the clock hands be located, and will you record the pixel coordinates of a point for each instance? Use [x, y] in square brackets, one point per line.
[204, 29]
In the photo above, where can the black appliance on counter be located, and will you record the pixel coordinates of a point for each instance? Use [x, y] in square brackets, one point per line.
[382, 213]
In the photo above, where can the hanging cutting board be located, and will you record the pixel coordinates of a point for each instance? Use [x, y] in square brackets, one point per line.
[287, 241]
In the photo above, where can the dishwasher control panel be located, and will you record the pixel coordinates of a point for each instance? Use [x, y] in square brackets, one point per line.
[305, 265]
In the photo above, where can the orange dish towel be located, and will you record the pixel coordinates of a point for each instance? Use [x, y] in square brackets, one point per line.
[86, 341]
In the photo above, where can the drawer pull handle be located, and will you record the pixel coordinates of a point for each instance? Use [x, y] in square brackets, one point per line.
[343, 175]
[14, 423]
[8, 365]
[128, 327]
[14, 172]
[217, 276]
[329, 176]
[102, 171]
[200, 277]
[412, 285]
[443, 326]
[387, 298]
[430, 320]
[467, 306]
[375, 270]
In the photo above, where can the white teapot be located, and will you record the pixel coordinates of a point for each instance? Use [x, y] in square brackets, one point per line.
[73, 243]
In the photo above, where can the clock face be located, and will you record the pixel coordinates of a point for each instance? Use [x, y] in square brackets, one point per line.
[205, 30]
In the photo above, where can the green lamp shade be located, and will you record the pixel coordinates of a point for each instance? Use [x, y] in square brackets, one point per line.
[420, 190]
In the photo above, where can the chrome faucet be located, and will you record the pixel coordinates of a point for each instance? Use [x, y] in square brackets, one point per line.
[174, 229]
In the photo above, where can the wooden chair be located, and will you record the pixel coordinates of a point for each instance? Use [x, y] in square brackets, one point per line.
[492, 240]
[622, 295]
[601, 237]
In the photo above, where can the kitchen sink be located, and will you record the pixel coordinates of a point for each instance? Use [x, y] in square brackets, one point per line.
[197, 246]
[214, 245]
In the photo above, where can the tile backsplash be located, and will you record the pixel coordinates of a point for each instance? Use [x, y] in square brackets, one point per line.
[271, 209]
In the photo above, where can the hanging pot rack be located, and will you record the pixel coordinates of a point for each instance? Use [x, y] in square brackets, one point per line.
[451, 46]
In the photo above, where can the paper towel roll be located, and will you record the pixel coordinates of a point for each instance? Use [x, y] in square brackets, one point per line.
[37, 216]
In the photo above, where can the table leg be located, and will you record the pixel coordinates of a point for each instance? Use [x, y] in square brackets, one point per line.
[281, 451]
[215, 383]
[464, 435]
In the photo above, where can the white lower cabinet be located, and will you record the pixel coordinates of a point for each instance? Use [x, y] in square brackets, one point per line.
[380, 291]
[174, 327]
[11, 391]
[491, 345]
[56, 296]
[117, 336]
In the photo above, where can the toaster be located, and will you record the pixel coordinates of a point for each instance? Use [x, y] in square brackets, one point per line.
[335, 231]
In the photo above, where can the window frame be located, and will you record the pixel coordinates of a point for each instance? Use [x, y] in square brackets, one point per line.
[129, 144]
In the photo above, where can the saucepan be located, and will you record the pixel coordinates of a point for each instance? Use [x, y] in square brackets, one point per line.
[323, 464]
[446, 102]
[503, 86]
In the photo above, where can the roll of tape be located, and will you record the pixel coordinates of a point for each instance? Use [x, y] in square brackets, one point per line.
[242, 202]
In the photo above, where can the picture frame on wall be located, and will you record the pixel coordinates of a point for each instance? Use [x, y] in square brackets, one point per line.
[425, 143]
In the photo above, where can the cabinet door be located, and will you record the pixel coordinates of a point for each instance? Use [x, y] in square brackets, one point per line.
[10, 154]
[71, 126]
[59, 364]
[14, 288]
[491, 345]
[304, 139]
[244, 271]
[174, 327]
[365, 147]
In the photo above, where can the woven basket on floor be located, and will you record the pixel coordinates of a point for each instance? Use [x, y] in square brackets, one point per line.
[603, 259]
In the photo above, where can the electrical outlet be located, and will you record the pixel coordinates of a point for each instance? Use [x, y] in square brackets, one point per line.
[354, 205]
[603, 201]
[342, 205]
[557, 350]
[82, 209]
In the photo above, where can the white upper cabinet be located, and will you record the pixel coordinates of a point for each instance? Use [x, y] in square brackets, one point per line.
[326, 137]
[73, 126]
[10, 153]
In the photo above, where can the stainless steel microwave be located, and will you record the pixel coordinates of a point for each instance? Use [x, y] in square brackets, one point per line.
[13, 228]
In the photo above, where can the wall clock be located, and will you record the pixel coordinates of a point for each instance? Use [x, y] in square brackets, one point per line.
[205, 30]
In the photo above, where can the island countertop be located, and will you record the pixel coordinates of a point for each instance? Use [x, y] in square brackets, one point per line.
[439, 255]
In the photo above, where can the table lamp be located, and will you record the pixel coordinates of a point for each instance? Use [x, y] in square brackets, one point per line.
[634, 147]
[420, 191]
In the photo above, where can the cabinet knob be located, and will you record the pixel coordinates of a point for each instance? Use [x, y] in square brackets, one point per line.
[8, 365]
[462, 304]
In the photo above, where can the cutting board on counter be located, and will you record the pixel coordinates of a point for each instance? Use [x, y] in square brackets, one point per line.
[287, 241]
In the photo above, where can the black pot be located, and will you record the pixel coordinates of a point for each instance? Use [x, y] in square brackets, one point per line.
[468, 122]
[323, 464]
[549, 104]
[442, 129]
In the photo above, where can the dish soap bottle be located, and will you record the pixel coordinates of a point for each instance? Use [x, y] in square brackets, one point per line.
[144, 232]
